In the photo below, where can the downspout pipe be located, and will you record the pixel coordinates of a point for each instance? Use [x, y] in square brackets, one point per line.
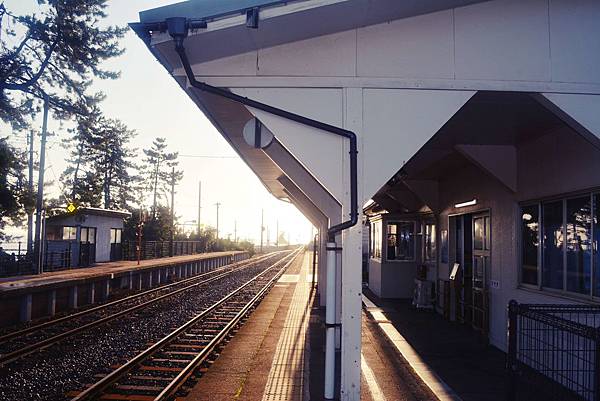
[178, 28]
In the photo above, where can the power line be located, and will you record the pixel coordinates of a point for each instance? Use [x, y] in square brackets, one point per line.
[210, 157]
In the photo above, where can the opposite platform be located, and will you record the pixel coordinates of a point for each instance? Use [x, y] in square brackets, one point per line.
[37, 296]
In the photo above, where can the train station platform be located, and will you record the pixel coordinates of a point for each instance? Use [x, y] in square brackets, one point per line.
[278, 354]
[37, 296]
[452, 359]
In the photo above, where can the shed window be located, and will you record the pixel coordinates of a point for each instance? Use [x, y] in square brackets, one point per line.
[69, 233]
[376, 239]
[115, 235]
[88, 235]
[401, 241]
[559, 242]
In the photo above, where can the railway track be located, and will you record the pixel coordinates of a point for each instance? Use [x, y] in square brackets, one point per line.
[18, 344]
[161, 371]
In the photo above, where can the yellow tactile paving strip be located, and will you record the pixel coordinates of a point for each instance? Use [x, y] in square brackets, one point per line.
[287, 377]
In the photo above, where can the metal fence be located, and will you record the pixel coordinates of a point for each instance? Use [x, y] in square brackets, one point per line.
[553, 352]
[160, 249]
[57, 255]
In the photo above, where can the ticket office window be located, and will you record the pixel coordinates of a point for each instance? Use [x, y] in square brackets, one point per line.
[400, 241]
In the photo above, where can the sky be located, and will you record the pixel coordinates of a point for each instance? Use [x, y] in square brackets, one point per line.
[149, 101]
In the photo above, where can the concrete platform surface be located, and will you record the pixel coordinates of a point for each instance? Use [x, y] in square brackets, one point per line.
[278, 355]
[451, 358]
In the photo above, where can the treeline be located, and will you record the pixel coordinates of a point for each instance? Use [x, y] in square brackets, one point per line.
[50, 57]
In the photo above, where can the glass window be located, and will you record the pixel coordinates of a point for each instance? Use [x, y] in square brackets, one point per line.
[69, 233]
[88, 234]
[430, 246]
[115, 235]
[579, 242]
[376, 240]
[530, 243]
[401, 241]
[553, 236]
[478, 233]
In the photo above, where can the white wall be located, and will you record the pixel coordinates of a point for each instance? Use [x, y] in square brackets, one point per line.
[554, 164]
[395, 84]
[103, 225]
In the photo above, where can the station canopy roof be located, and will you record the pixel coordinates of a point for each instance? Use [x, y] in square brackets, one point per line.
[280, 22]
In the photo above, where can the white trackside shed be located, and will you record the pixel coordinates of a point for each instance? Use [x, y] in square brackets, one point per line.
[478, 126]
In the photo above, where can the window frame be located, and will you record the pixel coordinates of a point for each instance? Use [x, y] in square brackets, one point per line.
[592, 194]
[115, 230]
[63, 233]
[414, 233]
[424, 242]
[376, 239]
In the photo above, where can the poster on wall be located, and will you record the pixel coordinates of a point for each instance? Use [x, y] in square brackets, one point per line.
[444, 246]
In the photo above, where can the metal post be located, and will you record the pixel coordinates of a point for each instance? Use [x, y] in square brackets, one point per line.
[597, 365]
[511, 360]
[172, 211]
[218, 204]
[39, 204]
[262, 228]
[199, 203]
[330, 323]
[314, 264]
[30, 187]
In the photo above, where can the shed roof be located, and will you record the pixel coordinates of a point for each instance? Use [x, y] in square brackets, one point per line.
[91, 211]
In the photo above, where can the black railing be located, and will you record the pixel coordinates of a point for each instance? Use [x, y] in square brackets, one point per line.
[57, 256]
[553, 352]
[160, 249]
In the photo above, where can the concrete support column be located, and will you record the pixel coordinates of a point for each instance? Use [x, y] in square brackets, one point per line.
[351, 291]
[139, 281]
[150, 279]
[92, 294]
[159, 277]
[130, 281]
[351, 313]
[51, 302]
[105, 293]
[179, 271]
[25, 309]
[73, 293]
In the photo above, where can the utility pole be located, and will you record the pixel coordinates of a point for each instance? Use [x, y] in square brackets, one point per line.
[262, 227]
[218, 204]
[199, 203]
[172, 211]
[30, 213]
[235, 231]
[39, 204]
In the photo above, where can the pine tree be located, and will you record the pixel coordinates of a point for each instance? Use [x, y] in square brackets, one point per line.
[158, 167]
[101, 172]
[53, 52]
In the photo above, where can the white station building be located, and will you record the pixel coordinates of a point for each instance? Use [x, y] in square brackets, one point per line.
[478, 138]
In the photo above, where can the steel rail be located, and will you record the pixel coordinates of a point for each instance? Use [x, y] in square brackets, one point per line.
[98, 388]
[19, 333]
[29, 349]
[188, 370]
